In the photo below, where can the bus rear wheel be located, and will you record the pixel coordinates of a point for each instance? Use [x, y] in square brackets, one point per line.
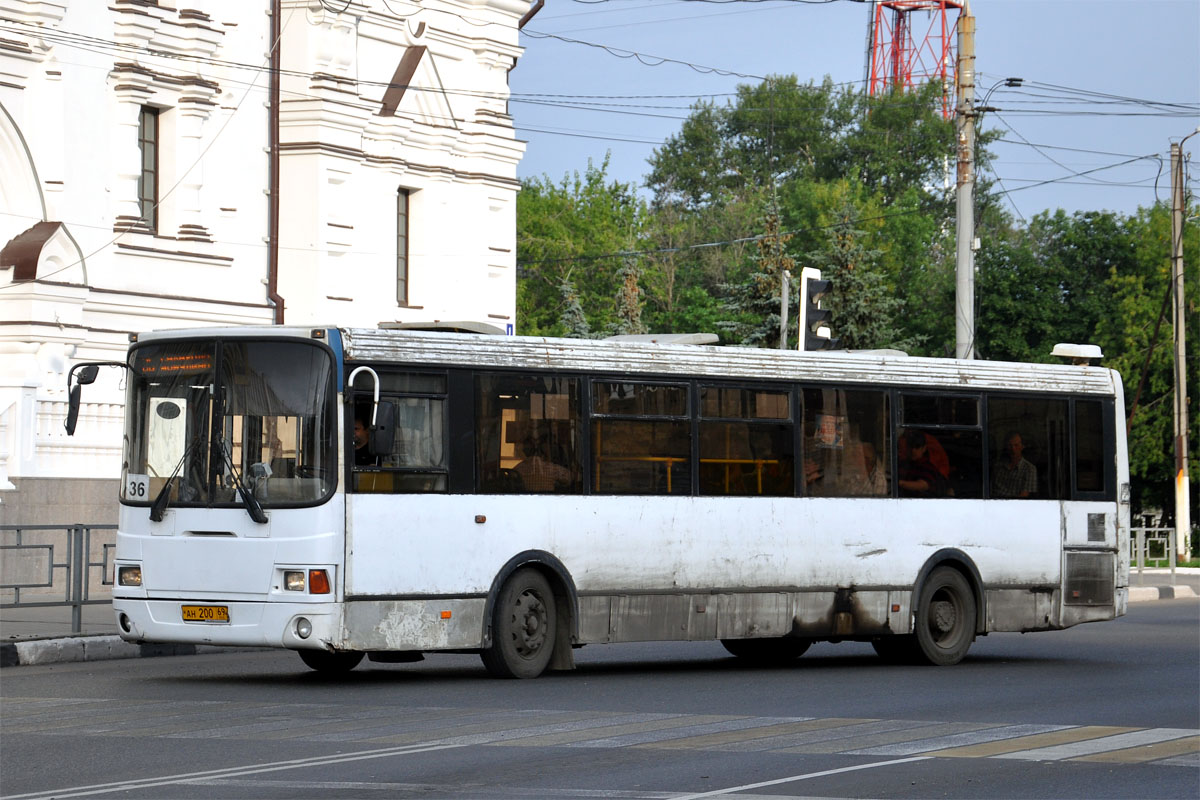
[523, 627]
[945, 618]
[330, 662]
[775, 650]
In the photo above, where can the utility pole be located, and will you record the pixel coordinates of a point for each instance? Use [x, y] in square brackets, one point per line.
[1182, 509]
[964, 305]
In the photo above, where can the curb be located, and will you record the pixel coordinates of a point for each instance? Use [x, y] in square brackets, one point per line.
[1140, 594]
[94, 648]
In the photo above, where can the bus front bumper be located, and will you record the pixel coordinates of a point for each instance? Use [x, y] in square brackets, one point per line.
[240, 623]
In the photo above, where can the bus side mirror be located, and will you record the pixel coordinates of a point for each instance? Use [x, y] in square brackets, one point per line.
[86, 375]
[384, 429]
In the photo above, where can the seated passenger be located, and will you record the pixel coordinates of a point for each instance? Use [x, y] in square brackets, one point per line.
[866, 477]
[362, 453]
[919, 476]
[538, 473]
[1012, 475]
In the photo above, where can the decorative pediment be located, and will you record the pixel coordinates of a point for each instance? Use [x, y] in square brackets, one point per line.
[46, 251]
[416, 91]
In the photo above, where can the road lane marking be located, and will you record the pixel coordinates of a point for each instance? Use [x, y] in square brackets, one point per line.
[1108, 743]
[1189, 745]
[228, 772]
[794, 778]
[1065, 736]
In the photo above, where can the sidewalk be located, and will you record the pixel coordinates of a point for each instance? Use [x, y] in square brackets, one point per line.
[43, 635]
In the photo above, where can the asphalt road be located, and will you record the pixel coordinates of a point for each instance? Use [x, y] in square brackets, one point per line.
[1109, 710]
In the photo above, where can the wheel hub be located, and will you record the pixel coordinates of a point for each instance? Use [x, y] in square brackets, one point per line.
[531, 628]
[943, 615]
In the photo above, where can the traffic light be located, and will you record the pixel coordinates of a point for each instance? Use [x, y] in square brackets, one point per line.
[814, 330]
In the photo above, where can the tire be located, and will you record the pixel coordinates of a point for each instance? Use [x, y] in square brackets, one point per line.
[945, 619]
[896, 649]
[774, 650]
[524, 621]
[330, 662]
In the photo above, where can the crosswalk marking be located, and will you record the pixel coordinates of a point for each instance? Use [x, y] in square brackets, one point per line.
[1086, 748]
[570, 737]
[989, 734]
[913, 732]
[1000, 746]
[458, 727]
[1188, 745]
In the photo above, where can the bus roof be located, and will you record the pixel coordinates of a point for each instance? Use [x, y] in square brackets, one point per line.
[666, 360]
[686, 360]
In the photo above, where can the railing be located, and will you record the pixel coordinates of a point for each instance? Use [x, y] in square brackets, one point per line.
[56, 565]
[1153, 544]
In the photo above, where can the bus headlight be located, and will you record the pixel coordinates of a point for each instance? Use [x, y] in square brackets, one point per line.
[293, 580]
[303, 628]
[129, 576]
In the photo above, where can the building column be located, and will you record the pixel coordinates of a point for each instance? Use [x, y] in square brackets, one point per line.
[191, 114]
[127, 155]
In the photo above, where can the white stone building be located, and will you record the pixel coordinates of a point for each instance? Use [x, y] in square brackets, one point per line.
[149, 180]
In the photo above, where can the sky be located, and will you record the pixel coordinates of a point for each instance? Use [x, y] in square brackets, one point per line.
[1084, 63]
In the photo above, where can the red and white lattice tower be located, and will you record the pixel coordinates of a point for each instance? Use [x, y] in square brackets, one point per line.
[900, 58]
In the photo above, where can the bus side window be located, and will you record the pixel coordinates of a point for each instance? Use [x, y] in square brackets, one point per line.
[846, 443]
[527, 434]
[641, 438]
[1089, 446]
[745, 442]
[953, 425]
[417, 459]
[1027, 448]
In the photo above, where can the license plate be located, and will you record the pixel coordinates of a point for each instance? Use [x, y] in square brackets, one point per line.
[206, 613]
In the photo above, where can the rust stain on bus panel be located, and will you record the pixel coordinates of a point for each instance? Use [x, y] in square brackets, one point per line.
[414, 625]
[1024, 609]
[841, 614]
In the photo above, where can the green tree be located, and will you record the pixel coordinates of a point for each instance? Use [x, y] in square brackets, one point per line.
[1137, 338]
[629, 298]
[755, 303]
[865, 312]
[572, 232]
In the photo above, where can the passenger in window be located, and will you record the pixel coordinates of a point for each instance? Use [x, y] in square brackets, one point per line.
[919, 475]
[538, 472]
[1012, 475]
[868, 478]
[362, 453]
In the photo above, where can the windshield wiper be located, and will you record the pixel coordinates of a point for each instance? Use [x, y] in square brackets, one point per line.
[159, 507]
[253, 507]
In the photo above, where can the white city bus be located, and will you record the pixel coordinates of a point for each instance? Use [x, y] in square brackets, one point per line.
[522, 497]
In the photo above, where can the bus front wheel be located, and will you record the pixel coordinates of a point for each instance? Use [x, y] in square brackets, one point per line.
[523, 626]
[330, 662]
[945, 619]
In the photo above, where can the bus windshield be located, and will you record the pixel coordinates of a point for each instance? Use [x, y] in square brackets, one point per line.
[230, 423]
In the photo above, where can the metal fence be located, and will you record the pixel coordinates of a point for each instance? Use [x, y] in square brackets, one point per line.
[56, 565]
[1153, 544]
